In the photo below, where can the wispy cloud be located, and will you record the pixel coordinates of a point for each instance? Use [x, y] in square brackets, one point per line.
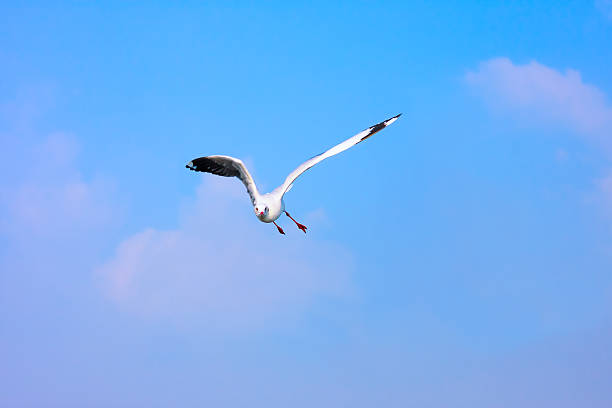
[547, 97]
[539, 93]
[221, 267]
[605, 6]
[50, 197]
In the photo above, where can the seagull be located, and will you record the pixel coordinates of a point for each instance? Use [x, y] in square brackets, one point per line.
[268, 207]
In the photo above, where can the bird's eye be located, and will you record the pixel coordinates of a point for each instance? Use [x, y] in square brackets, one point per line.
[256, 209]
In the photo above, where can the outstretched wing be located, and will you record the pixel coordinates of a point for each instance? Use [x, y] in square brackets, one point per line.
[359, 137]
[225, 166]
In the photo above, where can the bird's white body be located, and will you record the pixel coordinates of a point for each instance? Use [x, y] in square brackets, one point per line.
[268, 207]
[275, 204]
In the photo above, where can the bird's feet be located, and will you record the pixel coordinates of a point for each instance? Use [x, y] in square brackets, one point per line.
[300, 226]
[279, 228]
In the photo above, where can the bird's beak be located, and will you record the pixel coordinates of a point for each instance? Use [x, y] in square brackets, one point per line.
[261, 213]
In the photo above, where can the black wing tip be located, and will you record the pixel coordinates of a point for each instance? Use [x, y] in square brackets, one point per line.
[199, 164]
[212, 165]
[393, 118]
[379, 126]
[385, 122]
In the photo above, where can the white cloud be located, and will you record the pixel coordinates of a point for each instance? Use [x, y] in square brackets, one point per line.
[221, 267]
[49, 197]
[538, 93]
[602, 195]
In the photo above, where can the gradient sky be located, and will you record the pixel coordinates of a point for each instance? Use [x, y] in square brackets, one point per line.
[460, 258]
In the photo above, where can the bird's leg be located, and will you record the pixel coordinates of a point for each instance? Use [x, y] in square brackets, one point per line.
[300, 226]
[279, 228]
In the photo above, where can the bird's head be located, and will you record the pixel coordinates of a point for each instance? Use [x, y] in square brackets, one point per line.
[261, 210]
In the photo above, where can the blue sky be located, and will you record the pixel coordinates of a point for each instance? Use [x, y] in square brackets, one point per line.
[461, 257]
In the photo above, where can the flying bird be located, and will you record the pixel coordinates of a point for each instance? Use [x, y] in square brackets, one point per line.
[268, 207]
